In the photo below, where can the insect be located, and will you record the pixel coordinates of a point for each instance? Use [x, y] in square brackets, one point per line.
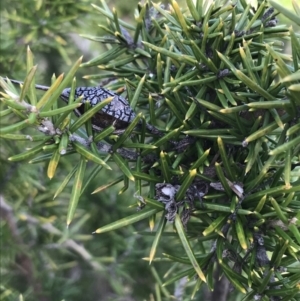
[118, 112]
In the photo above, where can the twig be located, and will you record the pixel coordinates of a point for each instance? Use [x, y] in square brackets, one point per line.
[69, 243]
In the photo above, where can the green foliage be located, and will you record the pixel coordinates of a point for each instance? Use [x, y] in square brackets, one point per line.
[221, 167]
[32, 23]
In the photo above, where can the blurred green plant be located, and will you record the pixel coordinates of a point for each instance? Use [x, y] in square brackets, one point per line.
[223, 167]
[33, 23]
[50, 28]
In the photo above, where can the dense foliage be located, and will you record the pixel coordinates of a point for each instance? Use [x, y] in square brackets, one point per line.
[210, 158]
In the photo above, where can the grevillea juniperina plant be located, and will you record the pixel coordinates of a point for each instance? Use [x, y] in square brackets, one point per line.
[220, 170]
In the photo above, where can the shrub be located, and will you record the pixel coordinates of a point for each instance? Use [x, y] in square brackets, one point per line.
[213, 152]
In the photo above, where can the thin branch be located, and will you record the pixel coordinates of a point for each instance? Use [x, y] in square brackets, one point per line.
[69, 243]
